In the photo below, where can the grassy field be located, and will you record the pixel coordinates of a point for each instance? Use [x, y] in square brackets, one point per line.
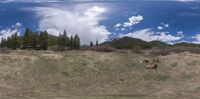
[97, 75]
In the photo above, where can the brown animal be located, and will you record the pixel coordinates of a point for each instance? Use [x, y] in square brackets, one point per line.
[150, 65]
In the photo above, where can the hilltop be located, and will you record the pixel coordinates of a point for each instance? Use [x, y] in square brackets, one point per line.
[130, 43]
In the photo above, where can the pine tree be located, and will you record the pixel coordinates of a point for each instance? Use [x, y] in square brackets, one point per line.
[97, 43]
[71, 42]
[64, 38]
[91, 44]
[35, 40]
[26, 42]
[43, 40]
[15, 41]
[9, 42]
[76, 42]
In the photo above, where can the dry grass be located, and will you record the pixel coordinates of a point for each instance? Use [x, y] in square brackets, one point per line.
[97, 75]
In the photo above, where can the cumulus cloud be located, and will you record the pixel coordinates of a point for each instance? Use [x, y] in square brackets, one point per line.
[36, 1]
[133, 21]
[118, 25]
[197, 39]
[86, 24]
[148, 35]
[163, 26]
[160, 27]
[180, 33]
[9, 31]
[187, 0]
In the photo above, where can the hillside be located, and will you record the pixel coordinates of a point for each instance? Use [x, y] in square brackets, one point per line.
[129, 43]
[97, 75]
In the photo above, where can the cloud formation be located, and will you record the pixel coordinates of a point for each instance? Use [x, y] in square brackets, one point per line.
[9, 31]
[36, 1]
[148, 35]
[131, 22]
[85, 24]
[197, 39]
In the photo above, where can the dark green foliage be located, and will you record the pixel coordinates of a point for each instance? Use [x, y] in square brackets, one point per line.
[131, 43]
[64, 41]
[43, 40]
[15, 41]
[26, 40]
[40, 41]
[91, 44]
[76, 42]
[71, 42]
[97, 43]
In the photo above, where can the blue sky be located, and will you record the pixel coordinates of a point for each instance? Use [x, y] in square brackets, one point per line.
[170, 21]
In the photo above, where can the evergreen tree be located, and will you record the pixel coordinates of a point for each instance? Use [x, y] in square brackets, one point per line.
[35, 38]
[71, 42]
[9, 42]
[26, 42]
[15, 41]
[43, 40]
[76, 42]
[64, 38]
[97, 43]
[91, 43]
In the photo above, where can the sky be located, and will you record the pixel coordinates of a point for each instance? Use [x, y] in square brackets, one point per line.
[170, 21]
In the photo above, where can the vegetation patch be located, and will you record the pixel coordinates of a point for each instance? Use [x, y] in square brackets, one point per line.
[174, 64]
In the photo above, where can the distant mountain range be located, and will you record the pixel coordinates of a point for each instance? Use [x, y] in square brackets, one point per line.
[129, 43]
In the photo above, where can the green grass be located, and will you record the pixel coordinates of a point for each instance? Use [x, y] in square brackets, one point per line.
[174, 65]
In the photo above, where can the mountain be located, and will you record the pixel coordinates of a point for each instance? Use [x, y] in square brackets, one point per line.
[129, 43]
[186, 44]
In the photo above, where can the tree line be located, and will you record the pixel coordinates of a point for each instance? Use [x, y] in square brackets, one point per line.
[40, 41]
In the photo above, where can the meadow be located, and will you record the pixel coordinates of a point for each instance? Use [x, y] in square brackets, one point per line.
[84, 74]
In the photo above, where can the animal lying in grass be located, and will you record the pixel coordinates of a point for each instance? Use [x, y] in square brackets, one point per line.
[150, 65]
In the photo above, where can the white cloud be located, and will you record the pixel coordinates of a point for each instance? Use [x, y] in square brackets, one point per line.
[197, 38]
[86, 24]
[123, 29]
[165, 25]
[17, 25]
[149, 35]
[118, 25]
[180, 33]
[9, 31]
[133, 21]
[36, 1]
[187, 0]
[160, 27]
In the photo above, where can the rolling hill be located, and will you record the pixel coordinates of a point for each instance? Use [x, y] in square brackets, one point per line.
[129, 43]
